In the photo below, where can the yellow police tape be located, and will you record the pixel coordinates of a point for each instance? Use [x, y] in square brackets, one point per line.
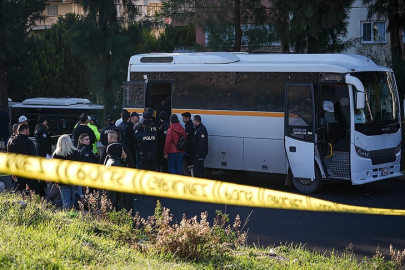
[170, 186]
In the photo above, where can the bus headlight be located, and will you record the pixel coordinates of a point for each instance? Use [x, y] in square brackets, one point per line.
[398, 149]
[362, 153]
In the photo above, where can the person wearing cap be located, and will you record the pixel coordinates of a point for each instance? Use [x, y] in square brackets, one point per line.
[83, 128]
[4, 126]
[147, 142]
[93, 125]
[23, 120]
[199, 147]
[42, 138]
[162, 131]
[174, 157]
[189, 127]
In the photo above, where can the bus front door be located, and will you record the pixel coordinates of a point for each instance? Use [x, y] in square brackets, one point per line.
[299, 136]
[134, 95]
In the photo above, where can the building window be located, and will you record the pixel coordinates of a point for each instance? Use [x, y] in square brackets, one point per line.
[373, 32]
[52, 10]
[152, 9]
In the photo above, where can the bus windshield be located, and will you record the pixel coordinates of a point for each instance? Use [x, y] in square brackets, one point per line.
[381, 105]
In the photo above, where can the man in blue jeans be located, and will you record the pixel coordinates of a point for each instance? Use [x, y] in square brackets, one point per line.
[171, 153]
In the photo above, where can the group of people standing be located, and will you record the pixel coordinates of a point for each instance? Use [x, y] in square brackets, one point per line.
[136, 142]
[20, 143]
[161, 144]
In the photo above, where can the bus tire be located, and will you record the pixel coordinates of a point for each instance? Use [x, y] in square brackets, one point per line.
[305, 185]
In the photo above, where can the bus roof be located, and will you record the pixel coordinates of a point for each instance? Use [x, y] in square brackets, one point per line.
[245, 62]
[68, 103]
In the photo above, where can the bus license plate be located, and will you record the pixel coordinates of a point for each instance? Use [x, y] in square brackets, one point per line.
[385, 171]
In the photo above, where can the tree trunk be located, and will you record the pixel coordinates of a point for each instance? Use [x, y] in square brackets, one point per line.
[238, 30]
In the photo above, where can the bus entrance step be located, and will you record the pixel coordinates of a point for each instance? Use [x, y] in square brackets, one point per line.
[340, 170]
[341, 157]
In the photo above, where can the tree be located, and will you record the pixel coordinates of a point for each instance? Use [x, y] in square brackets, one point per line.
[55, 70]
[312, 26]
[16, 20]
[100, 37]
[224, 21]
[394, 10]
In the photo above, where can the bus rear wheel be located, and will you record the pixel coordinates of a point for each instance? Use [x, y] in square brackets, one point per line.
[306, 185]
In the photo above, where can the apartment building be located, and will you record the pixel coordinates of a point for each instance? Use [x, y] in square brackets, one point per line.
[372, 37]
[57, 8]
[54, 8]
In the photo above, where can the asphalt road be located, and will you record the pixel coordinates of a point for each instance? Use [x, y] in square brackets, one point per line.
[318, 231]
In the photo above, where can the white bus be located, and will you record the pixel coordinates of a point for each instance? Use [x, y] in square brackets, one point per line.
[313, 117]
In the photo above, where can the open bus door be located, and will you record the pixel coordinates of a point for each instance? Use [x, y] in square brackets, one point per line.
[299, 136]
[134, 94]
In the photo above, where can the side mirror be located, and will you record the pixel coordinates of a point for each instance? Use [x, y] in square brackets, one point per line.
[360, 100]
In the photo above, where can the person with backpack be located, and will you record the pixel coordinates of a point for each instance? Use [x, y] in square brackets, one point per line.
[175, 145]
[199, 146]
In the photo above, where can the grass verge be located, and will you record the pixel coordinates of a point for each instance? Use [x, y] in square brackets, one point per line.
[36, 235]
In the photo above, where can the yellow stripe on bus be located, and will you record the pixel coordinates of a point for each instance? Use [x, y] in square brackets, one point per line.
[170, 185]
[223, 112]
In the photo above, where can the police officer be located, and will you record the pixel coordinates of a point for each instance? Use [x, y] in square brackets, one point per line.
[199, 146]
[140, 129]
[42, 137]
[147, 141]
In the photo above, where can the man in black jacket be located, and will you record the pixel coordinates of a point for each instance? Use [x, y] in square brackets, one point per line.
[128, 132]
[162, 131]
[109, 120]
[199, 146]
[189, 127]
[113, 138]
[21, 144]
[42, 137]
[83, 128]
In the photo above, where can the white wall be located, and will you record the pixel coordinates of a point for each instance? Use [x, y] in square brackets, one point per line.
[357, 15]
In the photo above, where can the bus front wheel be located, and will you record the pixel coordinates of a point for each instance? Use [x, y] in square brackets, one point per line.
[306, 185]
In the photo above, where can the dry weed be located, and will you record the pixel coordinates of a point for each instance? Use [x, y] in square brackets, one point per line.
[193, 238]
